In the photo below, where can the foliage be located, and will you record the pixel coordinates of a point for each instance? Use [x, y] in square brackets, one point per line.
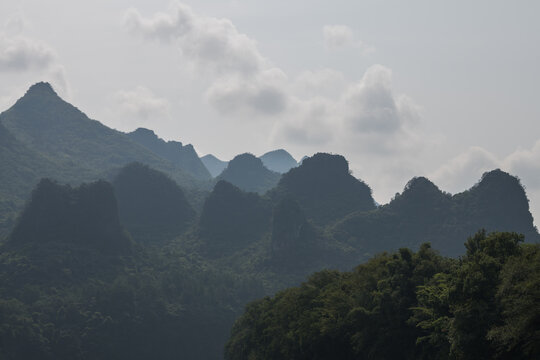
[405, 305]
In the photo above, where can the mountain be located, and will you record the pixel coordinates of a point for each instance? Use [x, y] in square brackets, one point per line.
[324, 188]
[279, 161]
[83, 217]
[183, 156]
[249, 174]
[232, 219]
[213, 164]
[150, 203]
[44, 136]
[423, 213]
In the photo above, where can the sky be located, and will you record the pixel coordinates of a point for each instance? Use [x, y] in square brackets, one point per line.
[446, 90]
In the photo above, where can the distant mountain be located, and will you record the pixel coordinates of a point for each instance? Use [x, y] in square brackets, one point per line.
[82, 217]
[324, 188]
[233, 219]
[279, 161]
[44, 136]
[150, 203]
[423, 213]
[214, 165]
[183, 156]
[249, 174]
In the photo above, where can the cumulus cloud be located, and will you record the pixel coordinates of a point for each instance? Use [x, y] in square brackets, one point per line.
[19, 53]
[141, 104]
[465, 169]
[366, 115]
[260, 94]
[525, 163]
[461, 172]
[207, 41]
[342, 36]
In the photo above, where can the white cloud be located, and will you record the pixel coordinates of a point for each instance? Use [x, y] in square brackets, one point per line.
[367, 116]
[342, 36]
[19, 53]
[463, 171]
[261, 94]
[526, 163]
[141, 104]
[211, 43]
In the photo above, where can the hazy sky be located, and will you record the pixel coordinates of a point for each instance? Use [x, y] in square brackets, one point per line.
[447, 90]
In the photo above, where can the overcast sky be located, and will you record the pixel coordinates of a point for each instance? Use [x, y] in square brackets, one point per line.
[447, 90]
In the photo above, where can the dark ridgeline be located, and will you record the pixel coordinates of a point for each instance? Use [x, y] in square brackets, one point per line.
[151, 205]
[214, 165]
[182, 155]
[249, 174]
[423, 213]
[279, 161]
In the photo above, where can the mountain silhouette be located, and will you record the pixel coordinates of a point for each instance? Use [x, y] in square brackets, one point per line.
[324, 188]
[86, 216]
[249, 174]
[214, 165]
[279, 161]
[150, 203]
[423, 213]
[44, 136]
[183, 156]
[233, 219]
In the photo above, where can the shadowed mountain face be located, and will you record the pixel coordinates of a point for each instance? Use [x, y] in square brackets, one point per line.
[249, 174]
[183, 156]
[214, 165]
[150, 203]
[324, 188]
[85, 217]
[423, 213]
[232, 219]
[279, 161]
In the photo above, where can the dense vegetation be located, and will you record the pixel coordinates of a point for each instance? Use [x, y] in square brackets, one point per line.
[74, 286]
[406, 305]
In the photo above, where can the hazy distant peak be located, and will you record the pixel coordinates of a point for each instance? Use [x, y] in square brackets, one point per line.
[278, 160]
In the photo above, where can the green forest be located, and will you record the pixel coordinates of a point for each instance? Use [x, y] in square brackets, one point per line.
[123, 246]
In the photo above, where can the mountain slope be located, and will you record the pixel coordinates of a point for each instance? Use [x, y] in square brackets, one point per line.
[423, 213]
[183, 156]
[214, 165]
[278, 160]
[324, 188]
[150, 203]
[56, 129]
[249, 174]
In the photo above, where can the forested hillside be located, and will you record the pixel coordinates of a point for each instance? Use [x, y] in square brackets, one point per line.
[405, 305]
